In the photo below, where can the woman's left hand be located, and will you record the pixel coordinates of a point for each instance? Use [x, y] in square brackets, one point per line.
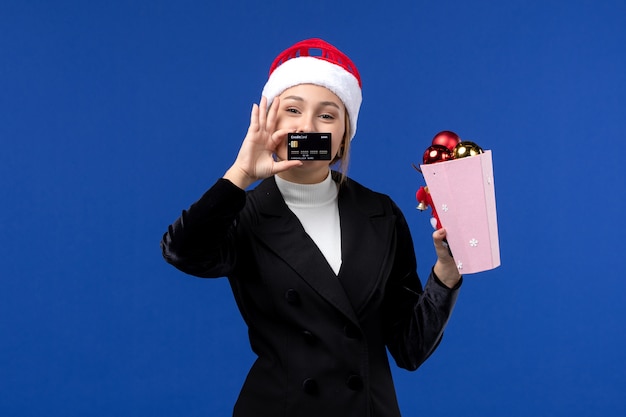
[445, 267]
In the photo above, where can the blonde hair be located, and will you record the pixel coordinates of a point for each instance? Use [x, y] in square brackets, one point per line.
[342, 159]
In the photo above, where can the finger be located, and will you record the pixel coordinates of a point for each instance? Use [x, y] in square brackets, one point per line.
[272, 114]
[441, 245]
[279, 137]
[281, 166]
[439, 235]
[254, 117]
[263, 112]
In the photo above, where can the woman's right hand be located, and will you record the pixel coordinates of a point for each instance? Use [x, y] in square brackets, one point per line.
[255, 159]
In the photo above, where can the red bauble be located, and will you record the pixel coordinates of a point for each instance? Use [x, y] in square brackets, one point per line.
[436, 153]
[446, 138]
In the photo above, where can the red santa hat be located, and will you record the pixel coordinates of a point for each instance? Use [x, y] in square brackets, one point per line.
[314, 61]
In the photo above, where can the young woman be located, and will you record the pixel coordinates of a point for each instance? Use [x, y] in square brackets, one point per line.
[322, 269]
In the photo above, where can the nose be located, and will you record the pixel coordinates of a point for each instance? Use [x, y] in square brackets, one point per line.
[306, 124]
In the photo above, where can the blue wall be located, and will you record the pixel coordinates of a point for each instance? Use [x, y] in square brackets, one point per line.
[115, 116]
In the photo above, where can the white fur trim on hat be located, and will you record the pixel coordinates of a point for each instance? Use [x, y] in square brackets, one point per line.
[312, 70]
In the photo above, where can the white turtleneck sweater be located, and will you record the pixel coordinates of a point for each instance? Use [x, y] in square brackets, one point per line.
[316, 207]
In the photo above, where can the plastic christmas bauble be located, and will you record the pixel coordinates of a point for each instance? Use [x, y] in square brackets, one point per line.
[436, 153]
[446, 138]
[466, 148]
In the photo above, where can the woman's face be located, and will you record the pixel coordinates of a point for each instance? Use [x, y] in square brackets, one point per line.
[311, 108]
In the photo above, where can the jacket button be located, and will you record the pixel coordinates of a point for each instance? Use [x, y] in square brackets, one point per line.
[309, 337]
[292, 297]
[309, 386]
[352, 331]
[355, 383]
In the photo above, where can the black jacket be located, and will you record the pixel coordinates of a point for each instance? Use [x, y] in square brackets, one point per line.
[320, 338]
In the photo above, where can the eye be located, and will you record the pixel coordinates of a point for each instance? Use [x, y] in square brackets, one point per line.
[292, 110]
[327, 116]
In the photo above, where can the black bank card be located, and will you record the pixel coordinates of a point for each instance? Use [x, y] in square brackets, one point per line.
[308, 146]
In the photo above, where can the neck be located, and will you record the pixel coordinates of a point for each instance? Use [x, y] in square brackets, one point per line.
[307, 196]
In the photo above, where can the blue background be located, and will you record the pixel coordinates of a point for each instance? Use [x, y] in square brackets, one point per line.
[114, 116]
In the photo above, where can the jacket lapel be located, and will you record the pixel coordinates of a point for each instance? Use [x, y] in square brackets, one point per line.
[281, 231]
[367, 235]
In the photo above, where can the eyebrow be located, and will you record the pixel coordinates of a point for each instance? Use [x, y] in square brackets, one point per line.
[323, 103]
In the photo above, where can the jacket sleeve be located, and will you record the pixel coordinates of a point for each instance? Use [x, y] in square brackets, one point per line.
[200, 242]
[415, 317]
